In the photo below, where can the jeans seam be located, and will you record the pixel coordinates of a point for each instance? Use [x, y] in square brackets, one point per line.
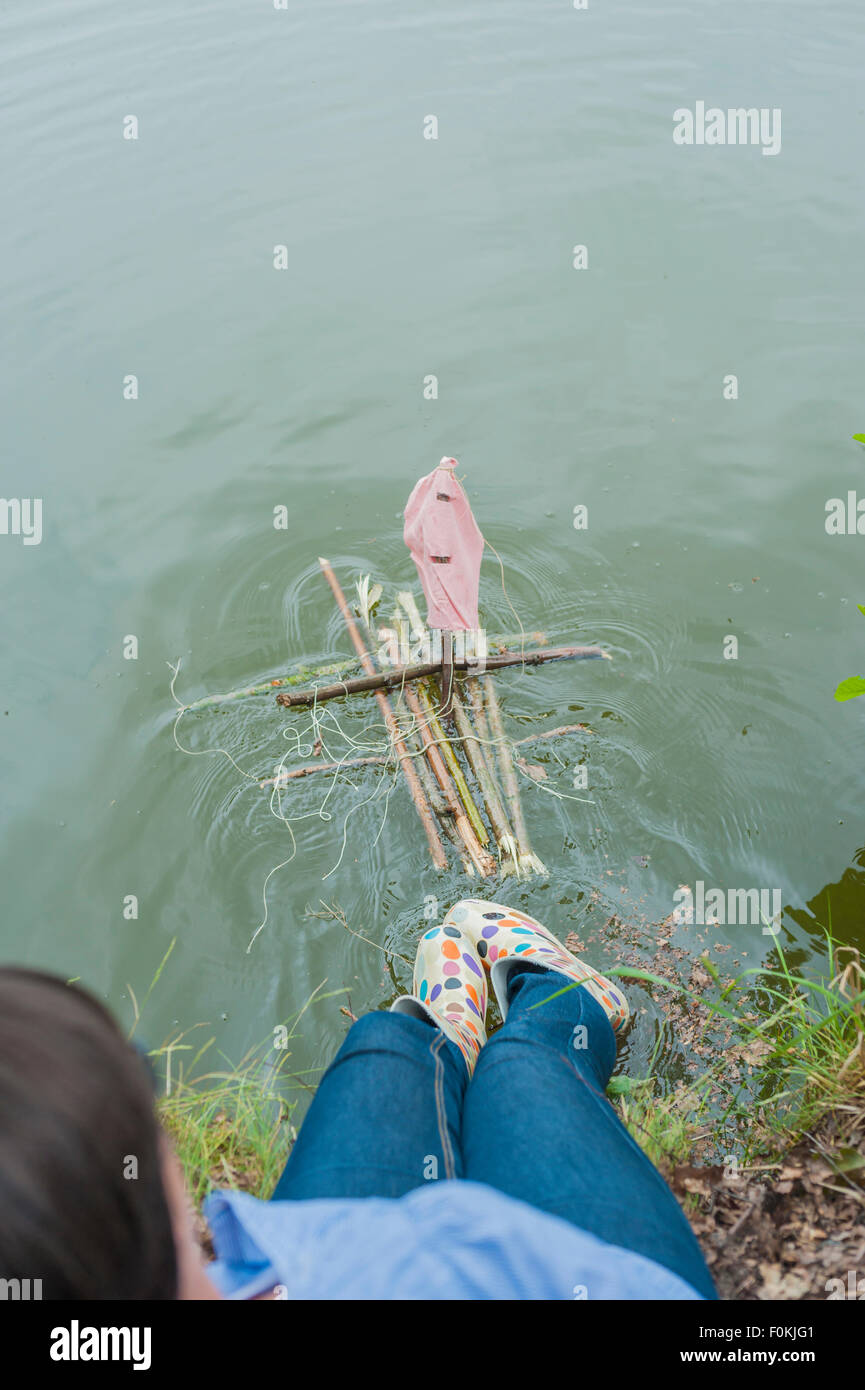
[441, 1113]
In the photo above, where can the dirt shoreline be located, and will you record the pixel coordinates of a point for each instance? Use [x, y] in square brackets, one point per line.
[796, 1236]
[792, 1226]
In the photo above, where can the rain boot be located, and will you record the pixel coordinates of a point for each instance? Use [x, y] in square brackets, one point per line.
[502, 936]
[450, 989]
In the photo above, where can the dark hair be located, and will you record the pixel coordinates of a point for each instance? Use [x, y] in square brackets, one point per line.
[82, 1202]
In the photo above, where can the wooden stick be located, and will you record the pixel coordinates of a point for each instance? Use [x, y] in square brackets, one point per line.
[305, 673]
[407, 605]
[400, 675]
[439, 805]
[460, 823]
[335, 668]
[288, 774]
[430, 786]
[418, 795]
[358, 762]
[440, 795]
[476, 695]
[481, 859]
[456, 772]
[554, 733]
[490, 792]
[528, 861]
[447, 681]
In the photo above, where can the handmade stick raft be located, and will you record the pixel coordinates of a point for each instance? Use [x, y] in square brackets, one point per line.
[441, 710]
[446, 546]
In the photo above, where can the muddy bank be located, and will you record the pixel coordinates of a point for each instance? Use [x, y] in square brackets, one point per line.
[777, 1202]
[798, 1234]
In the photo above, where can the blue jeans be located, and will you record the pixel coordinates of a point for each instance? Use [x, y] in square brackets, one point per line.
[534, 1122]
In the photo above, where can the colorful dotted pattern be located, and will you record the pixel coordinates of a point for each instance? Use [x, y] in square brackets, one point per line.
[449, 970]
[500, 931]
[449, 976]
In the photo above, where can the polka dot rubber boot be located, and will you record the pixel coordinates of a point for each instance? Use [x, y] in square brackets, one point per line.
[502, 936]
[450, 989]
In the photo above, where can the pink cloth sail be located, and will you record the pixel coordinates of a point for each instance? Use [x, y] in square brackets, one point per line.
[446, 545]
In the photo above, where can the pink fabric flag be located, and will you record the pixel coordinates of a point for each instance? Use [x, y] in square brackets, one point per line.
[446, 545]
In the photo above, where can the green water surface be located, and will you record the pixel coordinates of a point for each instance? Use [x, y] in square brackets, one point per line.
[258, 388]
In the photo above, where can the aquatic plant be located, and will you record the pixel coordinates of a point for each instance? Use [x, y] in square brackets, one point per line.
[793, 1054]
[853, 685]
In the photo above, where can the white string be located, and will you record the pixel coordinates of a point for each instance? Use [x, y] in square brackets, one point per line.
[303, 741]
[309, 740]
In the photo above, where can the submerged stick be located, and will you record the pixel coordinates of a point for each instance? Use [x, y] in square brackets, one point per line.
[476, 696]
[490, 792]
[472, 852]
[440, 806]
[528, 861]
[288, 774]
[447, 679]
[407, 605]
[430, 713]
[554, 733]
[443, 810]
[418, 795]
[466, 825]
[399, 675]
[306, 771]
[331, 668]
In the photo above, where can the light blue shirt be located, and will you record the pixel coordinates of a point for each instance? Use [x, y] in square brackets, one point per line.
[448, 1240]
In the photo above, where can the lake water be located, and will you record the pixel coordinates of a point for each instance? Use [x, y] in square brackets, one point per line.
[558, 387]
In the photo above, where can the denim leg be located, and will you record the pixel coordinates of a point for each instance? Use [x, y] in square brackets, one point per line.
[538, 1126]
[385, 1117]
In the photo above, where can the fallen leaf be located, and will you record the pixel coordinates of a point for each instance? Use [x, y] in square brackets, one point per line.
[792, 1285]
[756, 1052]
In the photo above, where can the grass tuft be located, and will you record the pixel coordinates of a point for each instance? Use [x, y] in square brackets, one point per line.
[795, 1056]
[230, 1124]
